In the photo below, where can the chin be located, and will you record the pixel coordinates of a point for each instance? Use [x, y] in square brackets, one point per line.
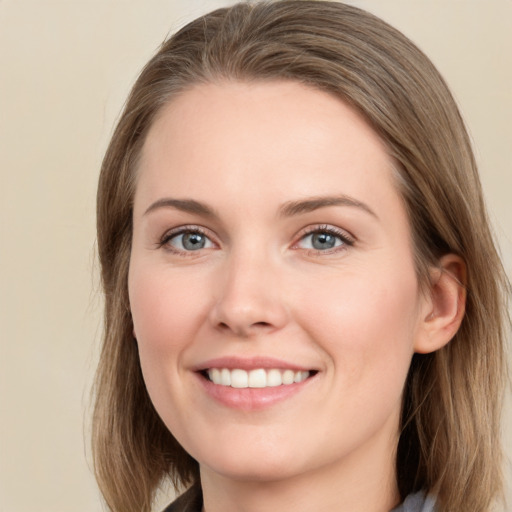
[255, 466]
[255, 473]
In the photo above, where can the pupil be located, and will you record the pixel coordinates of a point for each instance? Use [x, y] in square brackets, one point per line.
[193, 241]
[323, 241]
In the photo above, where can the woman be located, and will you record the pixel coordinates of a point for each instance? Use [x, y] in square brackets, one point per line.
[304, 305]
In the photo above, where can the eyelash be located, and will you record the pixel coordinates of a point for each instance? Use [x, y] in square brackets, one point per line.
[346, 239]
[182, 230]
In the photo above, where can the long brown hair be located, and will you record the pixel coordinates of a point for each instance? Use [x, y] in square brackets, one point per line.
[450, 439]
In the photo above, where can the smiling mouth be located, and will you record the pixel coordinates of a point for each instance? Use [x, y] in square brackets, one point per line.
[257, 378]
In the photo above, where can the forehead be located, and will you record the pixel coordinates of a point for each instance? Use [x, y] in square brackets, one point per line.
[280, 140]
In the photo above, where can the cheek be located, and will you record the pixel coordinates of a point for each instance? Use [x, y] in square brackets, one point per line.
[165, 309]
[366, 323]
[167, 313]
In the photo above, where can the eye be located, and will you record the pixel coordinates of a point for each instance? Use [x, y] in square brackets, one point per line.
[187, 240]
[324, 239]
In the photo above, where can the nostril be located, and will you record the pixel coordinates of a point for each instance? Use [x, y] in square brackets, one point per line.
[244, 331]
[261, 324]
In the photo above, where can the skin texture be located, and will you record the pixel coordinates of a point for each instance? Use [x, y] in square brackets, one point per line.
[259, 288]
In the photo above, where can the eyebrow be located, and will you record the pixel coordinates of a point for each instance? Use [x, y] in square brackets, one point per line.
[184, 205]
[288, 209]
[314, 203]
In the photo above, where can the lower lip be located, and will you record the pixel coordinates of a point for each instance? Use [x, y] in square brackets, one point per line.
[250, 399]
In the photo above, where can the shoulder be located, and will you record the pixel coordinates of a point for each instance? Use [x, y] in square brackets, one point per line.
[419, 502]
[190, 501]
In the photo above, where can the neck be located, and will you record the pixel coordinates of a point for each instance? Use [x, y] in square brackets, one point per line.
[362, 483]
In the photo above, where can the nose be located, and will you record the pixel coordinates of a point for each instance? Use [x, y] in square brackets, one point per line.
[249, 299]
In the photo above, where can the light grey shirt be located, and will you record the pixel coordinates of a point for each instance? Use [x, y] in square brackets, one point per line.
[416, 503]
[192, 501]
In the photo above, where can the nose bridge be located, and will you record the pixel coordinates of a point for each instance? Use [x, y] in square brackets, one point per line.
[249, 299]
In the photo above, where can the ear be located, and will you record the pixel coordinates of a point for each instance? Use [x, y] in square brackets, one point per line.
[444, 306]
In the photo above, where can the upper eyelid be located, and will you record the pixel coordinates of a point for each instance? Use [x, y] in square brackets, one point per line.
[318, 228]
[180, 230]
[187, 228]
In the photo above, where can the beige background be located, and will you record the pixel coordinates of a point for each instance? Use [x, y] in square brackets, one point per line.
[65, 69]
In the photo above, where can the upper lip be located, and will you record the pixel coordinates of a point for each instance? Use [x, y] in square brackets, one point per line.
[252, 363]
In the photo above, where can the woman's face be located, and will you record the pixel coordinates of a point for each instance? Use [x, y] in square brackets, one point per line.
[272, 253]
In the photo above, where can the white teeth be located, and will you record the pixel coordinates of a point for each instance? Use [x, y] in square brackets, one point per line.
[258, 378]
[274, 378]
[215, 375]
[300, 376]
[288, 377]
[225, 377]
[239, 379]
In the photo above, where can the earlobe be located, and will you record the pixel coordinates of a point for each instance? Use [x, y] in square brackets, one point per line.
[445, 306]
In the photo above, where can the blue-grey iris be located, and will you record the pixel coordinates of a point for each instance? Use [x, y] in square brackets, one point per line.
[193, 241]
[322, 241]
